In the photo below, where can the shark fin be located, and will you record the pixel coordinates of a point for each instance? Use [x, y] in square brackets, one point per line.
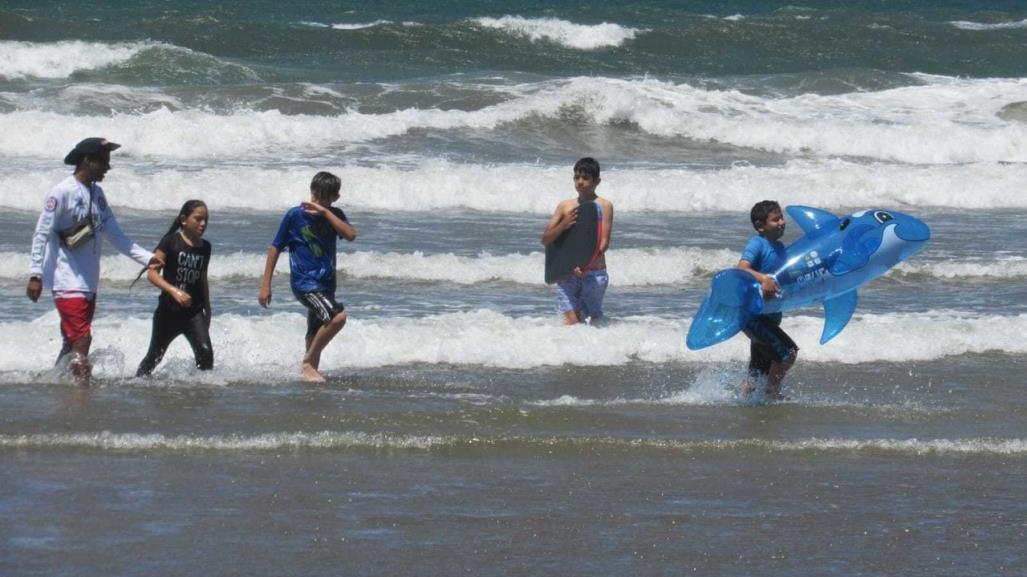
[735, 297]
[837, 312]
[813, 221]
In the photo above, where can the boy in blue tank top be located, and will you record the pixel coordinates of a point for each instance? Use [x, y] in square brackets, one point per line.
[309, 232]
[771, 351]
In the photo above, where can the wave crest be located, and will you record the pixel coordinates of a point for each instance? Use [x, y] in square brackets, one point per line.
[515, 188]
[562, 32]
[984, 26]
[129, 62]
[62, 59]
[652, 266]
[261, 347]
[944, 121]
[378, 442]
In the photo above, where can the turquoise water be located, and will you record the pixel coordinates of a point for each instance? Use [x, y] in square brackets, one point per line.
[395, 41]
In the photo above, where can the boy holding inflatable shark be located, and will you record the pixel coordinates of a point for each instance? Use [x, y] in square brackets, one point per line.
[771, 351]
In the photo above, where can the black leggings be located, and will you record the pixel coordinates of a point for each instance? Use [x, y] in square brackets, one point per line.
[169, 324]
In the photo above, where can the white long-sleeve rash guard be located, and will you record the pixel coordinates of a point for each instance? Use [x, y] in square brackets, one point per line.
[76, 270]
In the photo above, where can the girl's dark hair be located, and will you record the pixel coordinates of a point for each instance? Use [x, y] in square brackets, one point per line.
[184, 212]
[761, 211]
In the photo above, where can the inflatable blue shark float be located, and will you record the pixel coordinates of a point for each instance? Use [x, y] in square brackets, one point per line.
[826, 265]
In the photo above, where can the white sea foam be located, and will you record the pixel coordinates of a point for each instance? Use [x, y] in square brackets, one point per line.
[355, 25]
[62, 59]
[562, 32]
[267, 347]
[710, 387]
[1004, 268]
[360, 441]
[916, 446]
[985, 446]
[917, 124]
[107, 441]
[633, 266]
[440, 185]
[359, 25]
[984, 27]
[946, 120]
[718, 386]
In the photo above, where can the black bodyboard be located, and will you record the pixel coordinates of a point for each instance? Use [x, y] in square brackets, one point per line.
[577, 246]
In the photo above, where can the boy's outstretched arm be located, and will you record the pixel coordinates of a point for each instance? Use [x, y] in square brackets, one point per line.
[264, 298]
[561, 220]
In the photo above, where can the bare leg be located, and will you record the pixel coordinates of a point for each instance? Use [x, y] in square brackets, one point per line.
[776, 375]
[316, 344]
[80, 367]
[753, 382]
[571, 318]
[65, 350]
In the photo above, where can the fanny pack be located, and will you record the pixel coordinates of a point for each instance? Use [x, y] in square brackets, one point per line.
[82, 231]
[77, 235]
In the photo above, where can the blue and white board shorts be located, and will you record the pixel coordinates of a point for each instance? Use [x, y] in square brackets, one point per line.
[583, 293]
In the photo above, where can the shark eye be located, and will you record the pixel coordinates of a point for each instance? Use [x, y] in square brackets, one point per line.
[883, 217]
[844, 225]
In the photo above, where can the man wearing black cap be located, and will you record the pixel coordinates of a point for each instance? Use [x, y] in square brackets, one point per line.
[66, 252]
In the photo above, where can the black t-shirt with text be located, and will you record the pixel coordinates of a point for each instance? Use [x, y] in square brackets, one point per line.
[185, 268]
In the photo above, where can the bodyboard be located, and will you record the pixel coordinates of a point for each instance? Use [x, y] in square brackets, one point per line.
[578, 246]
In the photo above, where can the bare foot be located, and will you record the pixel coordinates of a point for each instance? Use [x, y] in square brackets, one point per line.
[81, 370]
[83, 381]
[746, 389]
[311, 375]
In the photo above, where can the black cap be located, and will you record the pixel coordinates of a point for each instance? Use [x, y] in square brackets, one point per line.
[89, 146]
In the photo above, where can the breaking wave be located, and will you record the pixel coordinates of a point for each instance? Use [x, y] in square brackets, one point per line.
[562, 32]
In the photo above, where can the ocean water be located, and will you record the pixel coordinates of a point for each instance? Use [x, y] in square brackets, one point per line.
[463, 429]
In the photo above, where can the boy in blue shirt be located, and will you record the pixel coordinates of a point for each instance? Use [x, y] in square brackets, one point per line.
[771, 351]
[309, 232]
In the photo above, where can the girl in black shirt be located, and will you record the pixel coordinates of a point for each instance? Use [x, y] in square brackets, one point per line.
[184, 304]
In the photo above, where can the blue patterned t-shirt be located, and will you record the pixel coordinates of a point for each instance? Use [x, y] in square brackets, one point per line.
[310, 240]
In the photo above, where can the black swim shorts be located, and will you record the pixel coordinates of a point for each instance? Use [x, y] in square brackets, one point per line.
[768, 343]
[321, 309]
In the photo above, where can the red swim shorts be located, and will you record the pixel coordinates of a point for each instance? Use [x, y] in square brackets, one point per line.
[76, 316]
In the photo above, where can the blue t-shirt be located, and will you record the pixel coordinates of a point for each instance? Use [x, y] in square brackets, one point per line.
[310, 240]
[765, 256]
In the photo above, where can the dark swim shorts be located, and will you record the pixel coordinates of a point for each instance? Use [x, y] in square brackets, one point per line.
[768, 343]
[321, 309]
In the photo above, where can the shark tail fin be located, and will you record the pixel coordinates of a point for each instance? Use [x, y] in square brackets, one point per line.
[734, 298]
